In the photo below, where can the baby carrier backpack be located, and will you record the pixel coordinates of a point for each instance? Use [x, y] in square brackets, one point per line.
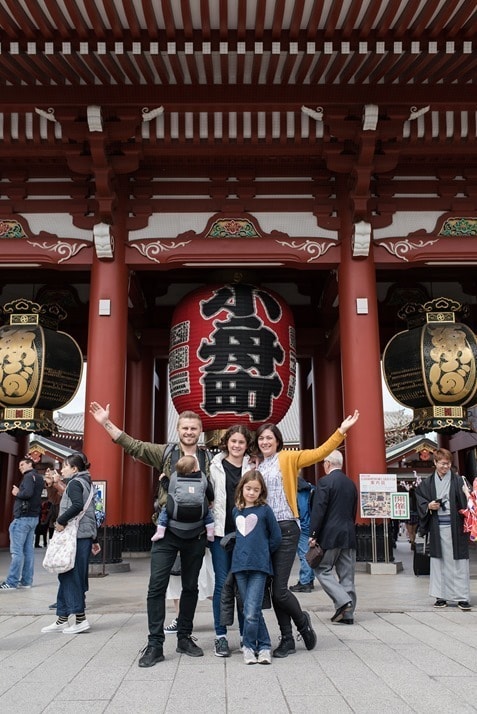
[187, 502]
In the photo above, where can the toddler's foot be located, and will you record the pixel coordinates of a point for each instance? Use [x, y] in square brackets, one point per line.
[159, 533]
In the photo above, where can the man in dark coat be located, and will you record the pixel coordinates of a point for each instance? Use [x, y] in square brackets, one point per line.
[440, 497]
[332, 525]
[26, 511]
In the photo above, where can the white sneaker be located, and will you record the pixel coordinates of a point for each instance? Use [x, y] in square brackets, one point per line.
[24, 587]
[55, 627]
[249, 656]
[76, 629]
[264, 657]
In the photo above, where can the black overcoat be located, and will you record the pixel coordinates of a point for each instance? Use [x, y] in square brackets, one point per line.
[332, 519]
[428, 520]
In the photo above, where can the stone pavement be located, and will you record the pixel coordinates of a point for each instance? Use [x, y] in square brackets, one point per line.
[400, 656]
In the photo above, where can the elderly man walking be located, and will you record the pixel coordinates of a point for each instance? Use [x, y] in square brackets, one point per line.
[332, 525]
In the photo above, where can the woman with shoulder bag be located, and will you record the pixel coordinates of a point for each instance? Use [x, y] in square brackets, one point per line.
[73, 584]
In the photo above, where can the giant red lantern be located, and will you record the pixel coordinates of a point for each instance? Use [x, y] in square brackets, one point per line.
[232, 356]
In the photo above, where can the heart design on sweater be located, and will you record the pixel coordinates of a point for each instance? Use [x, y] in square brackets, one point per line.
[246, 524]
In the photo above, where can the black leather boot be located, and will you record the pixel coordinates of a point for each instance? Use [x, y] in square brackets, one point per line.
[286, 647]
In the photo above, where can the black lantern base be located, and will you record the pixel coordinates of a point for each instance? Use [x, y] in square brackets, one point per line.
[39, 421]
[444, 420]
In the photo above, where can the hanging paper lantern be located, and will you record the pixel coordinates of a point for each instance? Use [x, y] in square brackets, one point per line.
[431, 367]
[40, 368]
[232, 356]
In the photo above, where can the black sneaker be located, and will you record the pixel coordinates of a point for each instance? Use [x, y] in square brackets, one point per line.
[440, 603]
[150, 656]
[302, 588]
[221, 647]
[186, 645]
[286, 647]
[464, 605]
[171, 628]
[307, 633]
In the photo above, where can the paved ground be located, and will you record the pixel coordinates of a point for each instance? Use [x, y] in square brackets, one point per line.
[400, 656]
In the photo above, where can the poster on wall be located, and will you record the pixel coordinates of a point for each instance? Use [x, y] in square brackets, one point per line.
[375, 494]
[100, 501]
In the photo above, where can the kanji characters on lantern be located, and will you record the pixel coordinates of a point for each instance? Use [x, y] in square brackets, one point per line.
[232, 354]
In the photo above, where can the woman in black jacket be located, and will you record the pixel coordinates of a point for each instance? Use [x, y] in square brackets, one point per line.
[73, 584]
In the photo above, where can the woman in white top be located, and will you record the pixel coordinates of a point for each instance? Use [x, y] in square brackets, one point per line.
[226, 470]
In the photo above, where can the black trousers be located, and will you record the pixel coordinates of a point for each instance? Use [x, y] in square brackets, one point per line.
[163, 555]
[285, 604]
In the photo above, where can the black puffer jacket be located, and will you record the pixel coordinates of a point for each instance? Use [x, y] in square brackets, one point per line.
[230, 595]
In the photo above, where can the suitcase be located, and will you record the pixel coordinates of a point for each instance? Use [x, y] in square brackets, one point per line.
[422, 561]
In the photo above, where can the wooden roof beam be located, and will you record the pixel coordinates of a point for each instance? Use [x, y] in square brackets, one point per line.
[242, 97]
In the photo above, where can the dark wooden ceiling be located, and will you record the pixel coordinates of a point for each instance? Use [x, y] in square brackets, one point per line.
[209, 106]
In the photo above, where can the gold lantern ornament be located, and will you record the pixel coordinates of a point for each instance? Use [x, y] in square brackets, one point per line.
[431, 367]
[40, 367]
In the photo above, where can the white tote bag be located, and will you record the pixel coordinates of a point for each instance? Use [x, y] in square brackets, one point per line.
[61, 551]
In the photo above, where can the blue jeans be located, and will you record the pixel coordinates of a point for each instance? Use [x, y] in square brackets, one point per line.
[70, 599]
[22, 535]
[221, 560]
[251, 585]
[306, 574]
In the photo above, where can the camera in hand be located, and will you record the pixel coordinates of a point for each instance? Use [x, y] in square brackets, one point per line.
[442, 503]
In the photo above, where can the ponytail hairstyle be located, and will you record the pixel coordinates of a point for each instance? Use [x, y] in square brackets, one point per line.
[77, 459]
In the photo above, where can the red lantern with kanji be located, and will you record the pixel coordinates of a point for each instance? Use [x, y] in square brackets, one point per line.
[232, 356]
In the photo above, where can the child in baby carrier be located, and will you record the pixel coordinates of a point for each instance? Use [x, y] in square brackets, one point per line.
[187, 466]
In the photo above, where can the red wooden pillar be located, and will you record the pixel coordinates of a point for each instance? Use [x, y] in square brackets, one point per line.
[360, 358]
[306, 413]
[10, 476]
[105, 379]
[161, 402]
[137, 485]
[327, 397]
